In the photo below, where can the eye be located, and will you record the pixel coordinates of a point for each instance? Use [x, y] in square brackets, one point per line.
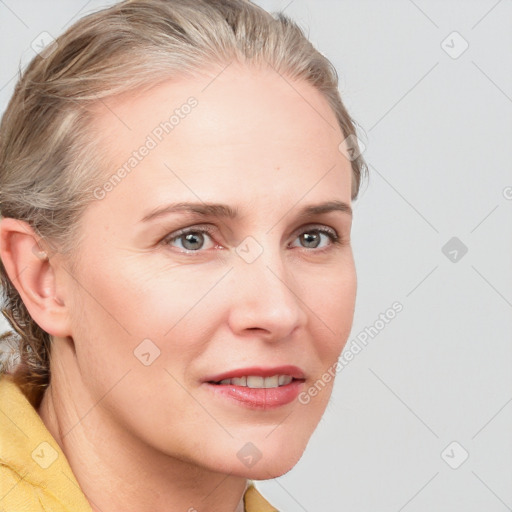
[312, 237]
[191, 239]
[195, 239]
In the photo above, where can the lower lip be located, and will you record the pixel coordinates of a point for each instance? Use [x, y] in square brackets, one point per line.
[259, 398]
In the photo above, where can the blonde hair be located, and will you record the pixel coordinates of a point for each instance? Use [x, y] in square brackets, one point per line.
[50, 164]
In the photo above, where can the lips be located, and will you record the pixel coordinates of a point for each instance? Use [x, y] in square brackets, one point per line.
[257, 387]
[258, 372]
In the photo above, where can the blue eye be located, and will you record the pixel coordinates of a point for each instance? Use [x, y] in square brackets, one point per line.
[313, 237]
[194, 239]
[191, 239]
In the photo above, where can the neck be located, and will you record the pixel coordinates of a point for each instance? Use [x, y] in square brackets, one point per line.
[117, 470]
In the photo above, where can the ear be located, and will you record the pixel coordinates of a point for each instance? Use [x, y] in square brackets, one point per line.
[32, 270]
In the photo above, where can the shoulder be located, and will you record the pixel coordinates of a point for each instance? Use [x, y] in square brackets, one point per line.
[18, 494]
[34, 473]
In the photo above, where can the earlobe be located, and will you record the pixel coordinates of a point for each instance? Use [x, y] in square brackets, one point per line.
[32, 272]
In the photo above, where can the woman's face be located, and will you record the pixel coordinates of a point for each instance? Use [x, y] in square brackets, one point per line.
[165, 305]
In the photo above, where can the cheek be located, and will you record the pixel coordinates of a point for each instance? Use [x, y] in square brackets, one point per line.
[332, 304]
[119, 307]
[139, 297]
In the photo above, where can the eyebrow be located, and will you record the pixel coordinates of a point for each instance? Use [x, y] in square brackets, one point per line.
[226, 211]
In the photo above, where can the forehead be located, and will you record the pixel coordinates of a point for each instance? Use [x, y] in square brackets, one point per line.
[245, 123]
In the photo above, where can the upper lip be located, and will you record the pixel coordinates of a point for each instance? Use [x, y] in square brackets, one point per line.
[291, 370]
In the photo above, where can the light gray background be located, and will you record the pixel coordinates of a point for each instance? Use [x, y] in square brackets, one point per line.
[438, 133]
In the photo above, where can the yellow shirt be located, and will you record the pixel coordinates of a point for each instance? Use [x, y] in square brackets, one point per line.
[35, 475]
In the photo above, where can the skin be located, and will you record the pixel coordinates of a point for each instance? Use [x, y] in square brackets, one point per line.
[154, 438]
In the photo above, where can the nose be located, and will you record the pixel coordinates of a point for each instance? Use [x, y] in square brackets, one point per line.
[266, 301]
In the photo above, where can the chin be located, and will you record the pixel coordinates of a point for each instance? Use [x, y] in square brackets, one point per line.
[269, 470]
[266, 460]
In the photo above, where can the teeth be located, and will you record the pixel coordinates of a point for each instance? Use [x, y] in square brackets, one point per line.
[255, 382]
[285, 379]
[258, 382]
[271, 382]
[242, 381]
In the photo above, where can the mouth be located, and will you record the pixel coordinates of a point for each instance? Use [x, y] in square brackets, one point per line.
[258, 388]
[257, 381]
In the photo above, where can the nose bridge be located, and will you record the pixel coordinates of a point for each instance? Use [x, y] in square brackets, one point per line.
[265, 297]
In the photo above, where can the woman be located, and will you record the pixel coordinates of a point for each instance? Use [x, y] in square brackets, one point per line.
[176, 181]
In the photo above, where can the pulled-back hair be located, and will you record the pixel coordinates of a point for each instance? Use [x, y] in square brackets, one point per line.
[50, 163]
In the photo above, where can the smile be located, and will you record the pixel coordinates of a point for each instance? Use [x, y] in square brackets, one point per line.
[258, 382]
[257, 387]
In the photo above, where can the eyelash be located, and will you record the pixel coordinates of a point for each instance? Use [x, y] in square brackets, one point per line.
[209, 230]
